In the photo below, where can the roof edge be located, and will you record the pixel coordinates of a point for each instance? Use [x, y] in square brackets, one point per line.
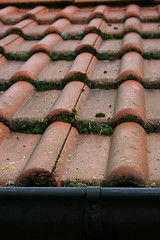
[58, 3]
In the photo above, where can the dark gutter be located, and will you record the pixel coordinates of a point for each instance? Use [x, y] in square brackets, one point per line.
[81, 213]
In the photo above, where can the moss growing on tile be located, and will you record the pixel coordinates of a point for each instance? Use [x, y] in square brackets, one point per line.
[88, 49]
[17, 56]
[87, 126]
[73, 183]
[152, 127]
[124, 181]
[34, 127]
[7, 168]
[70, 56]
[84, 127]
[81, 77]
[150, 35]
[151, 55]
[39, 179]
[63, 56]
[90, 127]
[129, 118]
[81, 183]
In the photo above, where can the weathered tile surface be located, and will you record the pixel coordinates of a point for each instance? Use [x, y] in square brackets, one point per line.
[79, 95]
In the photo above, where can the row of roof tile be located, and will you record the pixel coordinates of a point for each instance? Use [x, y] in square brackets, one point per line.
[61, 155]
[13, 45]
[28, 28]
[45, 15]
[67, 1]
[22, 102]
[38, 68]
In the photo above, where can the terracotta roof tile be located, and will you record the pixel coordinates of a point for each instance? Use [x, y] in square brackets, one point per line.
[79, 88]
[14, 98]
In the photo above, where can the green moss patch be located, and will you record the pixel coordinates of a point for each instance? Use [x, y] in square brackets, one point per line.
[124, 181]
[30, 127]
[70, 56]
[81, 35]
[39, 179]
[80, 183]
[84, 127]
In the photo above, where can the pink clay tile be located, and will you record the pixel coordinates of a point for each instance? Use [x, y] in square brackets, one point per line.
[8, 69]
[38, 106]
[68, 99]
[39, 10]
[67, 12]
[132, 41]
[132, 23]
[149, 13]
[20, 46]
[82, 16]
[24, 26]
[59, 26]
[114, 14]
[7, 11]
[11, 40]
[83, 162]
[4, 132]
[91, 39]
[152, 97]
[47, 43]
[153, 151]
[130, 100]
[105, 71]
[133, 10]
[151, 27]
[55, 71]
[48, 149]
[94, 24]
[14, 98]
[152, 71]
[66, 46]
[131, 63]
[49, 17]
[151, 45]
[15, 149]
[80, 64]
[128, 155]
[97, 101]
[33, 67]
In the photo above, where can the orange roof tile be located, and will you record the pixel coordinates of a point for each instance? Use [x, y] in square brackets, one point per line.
[79, 88]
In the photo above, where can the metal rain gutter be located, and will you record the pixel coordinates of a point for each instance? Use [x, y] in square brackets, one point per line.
[81, 212]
